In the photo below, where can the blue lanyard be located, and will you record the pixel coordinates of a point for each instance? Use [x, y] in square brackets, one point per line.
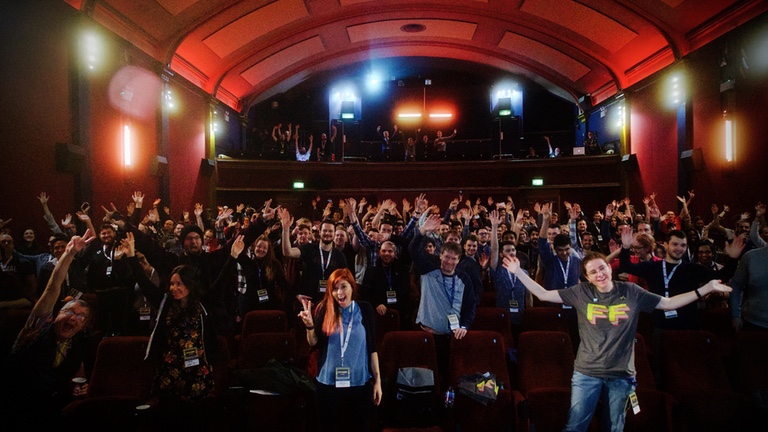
[667, 278]
[453, 288]
[388, 273]
[323, 265]
[345, 341]
[565, 271]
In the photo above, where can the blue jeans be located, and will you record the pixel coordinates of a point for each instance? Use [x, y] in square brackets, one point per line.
[586, 391]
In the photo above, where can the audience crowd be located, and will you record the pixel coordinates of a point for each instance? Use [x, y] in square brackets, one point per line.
[203, 270]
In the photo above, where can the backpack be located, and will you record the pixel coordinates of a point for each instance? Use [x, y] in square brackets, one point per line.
[413, 400]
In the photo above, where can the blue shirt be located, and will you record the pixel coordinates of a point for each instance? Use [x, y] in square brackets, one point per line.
[355, 356]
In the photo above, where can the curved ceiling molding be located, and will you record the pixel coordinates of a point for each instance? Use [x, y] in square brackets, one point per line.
[241, 51]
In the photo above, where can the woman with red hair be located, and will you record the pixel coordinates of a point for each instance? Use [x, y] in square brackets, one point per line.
[347, 361]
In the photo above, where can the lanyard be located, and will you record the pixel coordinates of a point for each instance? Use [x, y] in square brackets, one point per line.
[345, 341]
[323, 265]
[512, 280]
[453, 288]
[109, 255]
[565, 271]
[388, 272]
[667, 278]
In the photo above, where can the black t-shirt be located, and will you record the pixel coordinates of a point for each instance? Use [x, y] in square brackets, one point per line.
[315, 268]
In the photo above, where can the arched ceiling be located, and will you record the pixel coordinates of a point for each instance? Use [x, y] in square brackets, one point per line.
[244, 51]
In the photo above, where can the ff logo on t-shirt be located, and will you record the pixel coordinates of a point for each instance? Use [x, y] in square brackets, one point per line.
[611, 313]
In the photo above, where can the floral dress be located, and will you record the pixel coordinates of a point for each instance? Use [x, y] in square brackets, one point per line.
[184, 372]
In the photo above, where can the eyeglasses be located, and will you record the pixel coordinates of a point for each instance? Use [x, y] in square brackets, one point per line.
[69, 313]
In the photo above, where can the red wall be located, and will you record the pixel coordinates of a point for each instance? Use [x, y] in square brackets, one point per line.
[34, 113]
[654, 142]
[738, 184]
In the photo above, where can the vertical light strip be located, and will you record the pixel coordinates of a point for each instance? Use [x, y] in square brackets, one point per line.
[127, 145]
[729, 140]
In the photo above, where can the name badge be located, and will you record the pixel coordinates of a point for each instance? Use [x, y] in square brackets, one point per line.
[144, 314]
[514, 307]
[391, 297]
[670, 314]
[634, 402]
[343, 377]
[263, 295]
[109, 271]
[599, 238]
[191, 358]
[321, 285]
[453, 320]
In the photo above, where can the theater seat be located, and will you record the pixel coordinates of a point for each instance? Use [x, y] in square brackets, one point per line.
[120, 381]
[386, 323]
[545, 369]
[656, 407]
[264, 321]
[401, 349]
[750, 353]
[692, 370]
[481, 351]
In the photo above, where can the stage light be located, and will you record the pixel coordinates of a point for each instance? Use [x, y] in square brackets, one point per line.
[298, 185]
[440, 115]
[537, 182]
[409, 115]
[127, 160]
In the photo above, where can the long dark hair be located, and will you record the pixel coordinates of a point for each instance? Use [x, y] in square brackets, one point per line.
[190, 277]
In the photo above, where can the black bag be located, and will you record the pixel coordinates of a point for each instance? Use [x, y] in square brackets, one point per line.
[480, 387]
[413, 401]
[275, 377]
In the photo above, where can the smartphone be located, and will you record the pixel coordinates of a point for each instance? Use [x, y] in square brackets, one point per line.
[85, 206]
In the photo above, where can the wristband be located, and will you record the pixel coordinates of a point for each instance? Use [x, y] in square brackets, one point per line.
[698, 294]
[310, 328]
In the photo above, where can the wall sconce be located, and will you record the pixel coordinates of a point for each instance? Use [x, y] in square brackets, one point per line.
[127, 154]
[730, 142]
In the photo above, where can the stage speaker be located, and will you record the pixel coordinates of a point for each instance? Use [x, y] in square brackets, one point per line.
[69, 158]
[692, 159]
[158, 166]
[207, 166]
[629, 162]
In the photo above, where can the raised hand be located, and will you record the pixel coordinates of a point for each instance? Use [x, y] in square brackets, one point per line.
[198, 210]
[306, 313]
[627, 238]
[64, 222]
[138, 198]
[237, 246]
[431, 224]
[128, 245]
[77, 243]
[735, 248]
[511, 264]
[268, 213]
[83, 216]
[285, 216]
[454, 204]
[759, 210]
[43, 197]
[109, 213]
